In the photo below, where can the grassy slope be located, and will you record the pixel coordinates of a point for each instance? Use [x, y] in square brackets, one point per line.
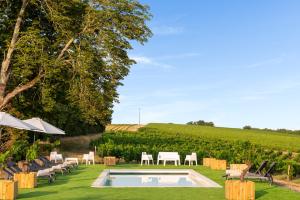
[76, 186]
[270, 139]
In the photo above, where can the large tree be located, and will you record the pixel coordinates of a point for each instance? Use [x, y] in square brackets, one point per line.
[64, 59]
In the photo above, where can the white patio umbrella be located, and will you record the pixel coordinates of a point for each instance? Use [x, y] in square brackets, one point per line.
[8, 120]
[42, 126]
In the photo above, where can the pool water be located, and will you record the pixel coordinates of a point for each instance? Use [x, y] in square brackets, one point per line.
[152, 178]
[148, 180]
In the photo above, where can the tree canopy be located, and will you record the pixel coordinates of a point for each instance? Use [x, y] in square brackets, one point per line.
[63, 60]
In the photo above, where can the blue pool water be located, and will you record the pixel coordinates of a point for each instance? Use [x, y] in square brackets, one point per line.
[148, 180]
[152, 178]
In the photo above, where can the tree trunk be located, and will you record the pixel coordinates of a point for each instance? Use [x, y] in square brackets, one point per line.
[5, 67]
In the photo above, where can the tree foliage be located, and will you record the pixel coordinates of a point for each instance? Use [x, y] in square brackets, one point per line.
[201, 123]
[64, 59]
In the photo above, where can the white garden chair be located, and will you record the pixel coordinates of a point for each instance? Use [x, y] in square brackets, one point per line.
[191, 159]
[54, 156]
[147, 158]
[88, 158]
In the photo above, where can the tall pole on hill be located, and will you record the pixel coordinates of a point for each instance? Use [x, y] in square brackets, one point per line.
[139, 116]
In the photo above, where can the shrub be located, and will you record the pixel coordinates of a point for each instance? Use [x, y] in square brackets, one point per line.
[32, 151]
[129, 146]
[247, 127]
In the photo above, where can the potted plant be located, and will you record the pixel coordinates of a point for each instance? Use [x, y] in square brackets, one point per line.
[3, 158]
[28, 179]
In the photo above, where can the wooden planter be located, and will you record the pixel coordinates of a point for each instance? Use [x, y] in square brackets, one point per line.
[238, 190]
[218, 164]
[207, 161]
[8, 190]
[26, 180]
[109, 160]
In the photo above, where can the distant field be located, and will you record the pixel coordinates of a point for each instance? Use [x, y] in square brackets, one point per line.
[268, 139]
[123, 127]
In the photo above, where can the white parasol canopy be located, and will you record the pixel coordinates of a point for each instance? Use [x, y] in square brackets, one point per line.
[8, 120]
[42, 126]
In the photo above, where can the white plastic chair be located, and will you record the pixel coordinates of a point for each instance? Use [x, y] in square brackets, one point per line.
[89, 157]
[147, 158]
[191, 159]
[54, 156]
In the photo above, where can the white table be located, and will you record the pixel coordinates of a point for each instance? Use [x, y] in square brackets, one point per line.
[72, 160]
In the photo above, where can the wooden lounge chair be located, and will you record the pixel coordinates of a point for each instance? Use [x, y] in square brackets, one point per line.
[267, 176]
[13, 168]
[53, 167]
[42, 172]
[260, 168]
[257, 172]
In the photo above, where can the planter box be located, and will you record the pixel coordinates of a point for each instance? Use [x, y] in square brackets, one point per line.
[208, 161]
[109, 160]
[8, 190]
[218, 164]
[237, 190]
[26, 180]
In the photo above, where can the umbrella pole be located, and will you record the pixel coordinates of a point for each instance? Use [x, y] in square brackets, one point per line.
[34, 137]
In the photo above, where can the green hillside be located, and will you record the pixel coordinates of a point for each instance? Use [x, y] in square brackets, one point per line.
[269, 139]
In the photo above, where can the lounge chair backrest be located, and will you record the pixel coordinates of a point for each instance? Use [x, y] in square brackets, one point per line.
[270, 170]
[261, 167]
[45, 164]
[8, 174]
[33, 166]
[46, 159]
[13, 167]
[144, 153]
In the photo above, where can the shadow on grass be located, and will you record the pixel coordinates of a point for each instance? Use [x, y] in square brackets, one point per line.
[60, 179]
[262, 192]
[34, 194]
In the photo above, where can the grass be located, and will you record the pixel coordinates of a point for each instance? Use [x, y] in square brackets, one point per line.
[76, 186]
[269, 139]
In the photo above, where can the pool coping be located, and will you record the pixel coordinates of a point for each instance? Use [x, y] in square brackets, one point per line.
[100, 181]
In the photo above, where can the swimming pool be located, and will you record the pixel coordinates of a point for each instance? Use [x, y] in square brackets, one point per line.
[152, 178]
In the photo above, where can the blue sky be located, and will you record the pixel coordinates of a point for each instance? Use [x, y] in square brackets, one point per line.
[232, 62]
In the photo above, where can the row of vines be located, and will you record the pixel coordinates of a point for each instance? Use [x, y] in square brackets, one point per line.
[128, 145]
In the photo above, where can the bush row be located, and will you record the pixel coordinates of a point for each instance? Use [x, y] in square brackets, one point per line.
[129, 146]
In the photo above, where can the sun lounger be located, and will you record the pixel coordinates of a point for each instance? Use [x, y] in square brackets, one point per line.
[54, 167]
[231, 173]
[266, 177]
[13, 168]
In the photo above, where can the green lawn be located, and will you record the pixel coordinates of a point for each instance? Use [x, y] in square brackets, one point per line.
[269, 139]
[76, 186]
